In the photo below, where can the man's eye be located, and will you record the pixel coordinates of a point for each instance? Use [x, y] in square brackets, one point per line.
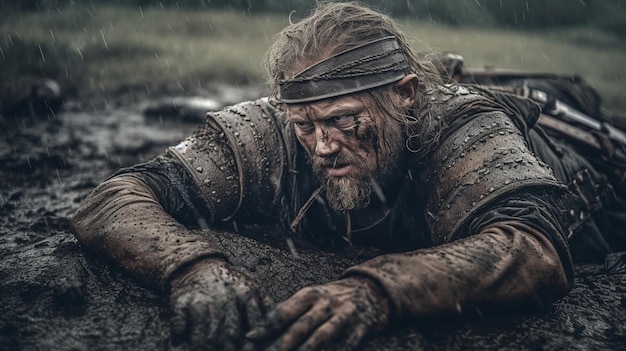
[304, 127]
[345, 121]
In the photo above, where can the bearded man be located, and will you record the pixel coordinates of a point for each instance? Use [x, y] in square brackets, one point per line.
[360, 143]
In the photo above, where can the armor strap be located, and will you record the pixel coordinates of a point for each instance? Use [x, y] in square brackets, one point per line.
[570, 131]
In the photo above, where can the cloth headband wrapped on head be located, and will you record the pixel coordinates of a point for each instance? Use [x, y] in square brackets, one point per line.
[367, 66]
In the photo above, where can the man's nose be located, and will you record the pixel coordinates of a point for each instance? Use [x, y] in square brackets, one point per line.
[325, 145]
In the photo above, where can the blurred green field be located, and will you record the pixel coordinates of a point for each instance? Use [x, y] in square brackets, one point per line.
[103, 52]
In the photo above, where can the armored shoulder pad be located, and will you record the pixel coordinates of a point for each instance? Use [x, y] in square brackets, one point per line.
[481, 160]
[237, 159]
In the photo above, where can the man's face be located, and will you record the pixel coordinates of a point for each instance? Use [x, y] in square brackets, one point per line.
[352, 144]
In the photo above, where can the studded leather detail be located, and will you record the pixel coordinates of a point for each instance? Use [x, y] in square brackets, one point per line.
[237, 159]
[484, 159]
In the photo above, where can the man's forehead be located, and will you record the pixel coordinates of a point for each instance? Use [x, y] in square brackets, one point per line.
[329, 107]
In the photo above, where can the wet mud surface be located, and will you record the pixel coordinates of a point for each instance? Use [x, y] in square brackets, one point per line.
[53, 295]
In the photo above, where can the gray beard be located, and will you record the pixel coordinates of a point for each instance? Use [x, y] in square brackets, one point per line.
[345, 193]
[349, 193]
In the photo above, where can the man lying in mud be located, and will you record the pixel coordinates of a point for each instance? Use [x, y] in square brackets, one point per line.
[360, 143]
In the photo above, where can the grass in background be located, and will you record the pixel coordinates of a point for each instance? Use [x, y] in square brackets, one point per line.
[589, 53]
[113, 52]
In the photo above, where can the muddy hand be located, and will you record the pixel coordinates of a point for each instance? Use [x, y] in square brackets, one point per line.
[214, 305]
[339, 315]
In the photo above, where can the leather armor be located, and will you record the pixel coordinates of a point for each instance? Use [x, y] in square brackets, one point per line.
[250, 177]
[482, 156]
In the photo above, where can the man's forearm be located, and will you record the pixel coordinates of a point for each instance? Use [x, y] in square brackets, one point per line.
[506, 263]
[123, 220]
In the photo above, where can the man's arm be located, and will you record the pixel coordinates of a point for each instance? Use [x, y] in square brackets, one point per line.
[507, 263]
[123, 220]
[137, 219]
[516, 256]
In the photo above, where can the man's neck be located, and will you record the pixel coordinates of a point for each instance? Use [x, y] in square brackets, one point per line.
[381, 202]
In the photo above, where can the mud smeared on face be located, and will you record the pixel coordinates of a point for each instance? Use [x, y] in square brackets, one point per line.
[380, 142]
[352, 143]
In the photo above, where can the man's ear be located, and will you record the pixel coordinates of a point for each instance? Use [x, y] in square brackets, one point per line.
[407, 90]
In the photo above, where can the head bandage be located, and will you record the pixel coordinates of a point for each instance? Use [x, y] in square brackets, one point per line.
[370, 65]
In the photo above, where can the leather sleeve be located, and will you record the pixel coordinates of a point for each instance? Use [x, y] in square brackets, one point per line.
[123, 220]
[140, 217]
[510, 259]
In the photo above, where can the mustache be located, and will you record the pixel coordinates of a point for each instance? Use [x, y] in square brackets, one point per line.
[337, 161]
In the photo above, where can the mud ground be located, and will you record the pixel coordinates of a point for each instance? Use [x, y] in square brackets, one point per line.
[53, 295]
